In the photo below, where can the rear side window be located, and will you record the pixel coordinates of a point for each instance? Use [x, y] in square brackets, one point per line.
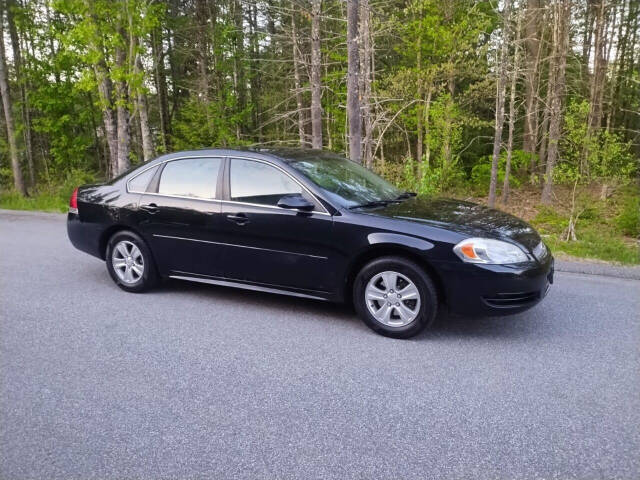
[140, 182]
[257, 182]
[191, 177]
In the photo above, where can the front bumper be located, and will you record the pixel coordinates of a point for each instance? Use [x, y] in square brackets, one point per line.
[473, 289]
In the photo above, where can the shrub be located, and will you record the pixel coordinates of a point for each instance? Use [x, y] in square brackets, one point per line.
[628, 220]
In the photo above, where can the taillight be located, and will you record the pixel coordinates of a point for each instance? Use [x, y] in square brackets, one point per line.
[73, 202]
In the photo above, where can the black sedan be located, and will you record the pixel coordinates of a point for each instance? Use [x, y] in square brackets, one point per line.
[310, 224]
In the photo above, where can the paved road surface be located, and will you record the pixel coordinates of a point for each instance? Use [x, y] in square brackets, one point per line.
[194, 381]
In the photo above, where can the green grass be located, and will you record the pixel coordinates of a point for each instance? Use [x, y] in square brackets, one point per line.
[599, 233]
[43, 201]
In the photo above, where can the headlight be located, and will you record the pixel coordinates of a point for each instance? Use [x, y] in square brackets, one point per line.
[487, 250]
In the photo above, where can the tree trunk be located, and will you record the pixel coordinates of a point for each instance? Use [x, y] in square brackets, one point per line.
[18, 181]
[513, 111]
[544, 129]
[122, 110]
[598, 78]
[202, 48]
[297, 77]
[238, 64]
[427, 108]
[420, 108]
[24, 103]
[316, 87]
[532, 45]
[500, 87]
[353, 74]
[367, 67]
[105, 89]
[560, 47]
[148, 151]
[161, 88]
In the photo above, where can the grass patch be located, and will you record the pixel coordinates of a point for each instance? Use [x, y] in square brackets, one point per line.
[46, 201]
[605, 228]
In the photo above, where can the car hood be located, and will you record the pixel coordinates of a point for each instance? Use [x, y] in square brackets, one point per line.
[463, 217]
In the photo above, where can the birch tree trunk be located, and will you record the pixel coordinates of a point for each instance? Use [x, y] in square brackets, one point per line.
[353, 90]
[122, 112]
[560, 41]
[202, 49]
[367, 67]
[7, 104]
[598, 78]
[105, 92]
[297, 77]
[500, 89]
[532, 53]
[160, 78]
[316, 87]
[148, 151]
[238, 65]
[513, 111]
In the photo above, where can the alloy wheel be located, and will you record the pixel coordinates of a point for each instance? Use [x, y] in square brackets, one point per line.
[127, 261]
[392, 298]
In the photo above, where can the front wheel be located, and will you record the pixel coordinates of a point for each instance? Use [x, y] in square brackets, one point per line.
[130, 263]
[395, 297]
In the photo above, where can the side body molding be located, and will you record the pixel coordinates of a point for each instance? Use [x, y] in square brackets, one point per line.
[397, 238]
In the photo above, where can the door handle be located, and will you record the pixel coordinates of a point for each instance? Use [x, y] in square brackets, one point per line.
[240, 218]
[150, 208]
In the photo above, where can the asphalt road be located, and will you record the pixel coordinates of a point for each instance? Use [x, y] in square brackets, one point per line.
[195, 381]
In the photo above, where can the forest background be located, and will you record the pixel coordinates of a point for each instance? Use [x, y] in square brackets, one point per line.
[531, 106]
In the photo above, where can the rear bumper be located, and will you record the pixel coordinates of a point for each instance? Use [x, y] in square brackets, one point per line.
[83, 235]
[495, 289]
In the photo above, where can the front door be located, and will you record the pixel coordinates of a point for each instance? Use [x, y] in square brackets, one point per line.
[269, 245]
[180, 216]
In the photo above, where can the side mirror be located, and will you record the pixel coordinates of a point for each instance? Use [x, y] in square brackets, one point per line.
[296, 202]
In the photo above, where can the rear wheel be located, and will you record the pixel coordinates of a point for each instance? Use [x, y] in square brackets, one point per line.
[130, 263]
[395, 297]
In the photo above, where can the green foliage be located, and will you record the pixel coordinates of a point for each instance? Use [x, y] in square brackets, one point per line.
[481, 172]
[601, 155]
[628, 220]
[204, 125]
[596, 238]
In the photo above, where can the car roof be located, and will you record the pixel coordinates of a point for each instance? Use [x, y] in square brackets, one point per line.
[283, 154]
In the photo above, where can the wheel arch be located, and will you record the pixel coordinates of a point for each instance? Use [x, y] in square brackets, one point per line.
[387, 250]
[110, 232]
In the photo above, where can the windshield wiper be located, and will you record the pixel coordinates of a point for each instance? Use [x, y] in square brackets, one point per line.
[375, 203]
[404, 195]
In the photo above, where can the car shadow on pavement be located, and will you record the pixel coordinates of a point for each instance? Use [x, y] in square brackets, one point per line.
[517, 326]
[446, 326]
[258, 299]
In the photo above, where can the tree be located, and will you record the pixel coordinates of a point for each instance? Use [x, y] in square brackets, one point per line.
[562, 9]
[24, 102]
[353, 83]
[533, 50]
[512, 112]
[297, 77]
[316, 66]
[367, 66]
[500, 87]
[7, 104]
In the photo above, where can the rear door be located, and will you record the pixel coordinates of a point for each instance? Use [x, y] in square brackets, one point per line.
[270, 245]
[180, 216]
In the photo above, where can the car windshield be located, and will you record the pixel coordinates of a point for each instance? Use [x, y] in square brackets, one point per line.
[346, 182]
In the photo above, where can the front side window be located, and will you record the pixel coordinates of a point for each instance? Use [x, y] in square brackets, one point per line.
[191, 177]
[259, 183]
[140, 182]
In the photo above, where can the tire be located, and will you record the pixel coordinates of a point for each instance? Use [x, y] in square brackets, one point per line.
[127, 252]
[398, 317]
